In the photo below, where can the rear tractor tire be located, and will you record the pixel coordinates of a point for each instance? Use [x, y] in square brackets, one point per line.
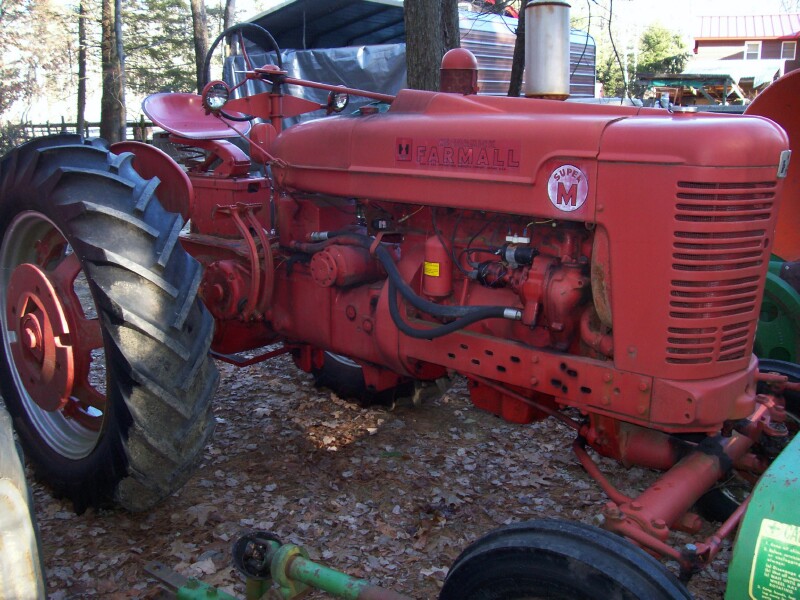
[104, 364]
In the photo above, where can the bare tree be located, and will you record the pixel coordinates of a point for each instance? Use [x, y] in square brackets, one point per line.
[431, 30]
[451, 34]
[112, 104]
[35, 45]
[200, 29]
[120, 53]
[81, 109]
[518, 61]
[229, 17]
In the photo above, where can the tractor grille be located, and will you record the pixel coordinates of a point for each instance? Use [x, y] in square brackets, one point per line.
[718, 255]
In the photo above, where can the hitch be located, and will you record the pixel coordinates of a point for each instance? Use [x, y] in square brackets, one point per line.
[276, 571]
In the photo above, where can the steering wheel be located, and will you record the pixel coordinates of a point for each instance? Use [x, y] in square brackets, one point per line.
[263, 34]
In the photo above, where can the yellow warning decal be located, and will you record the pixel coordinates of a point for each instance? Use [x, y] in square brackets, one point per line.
[430, 269]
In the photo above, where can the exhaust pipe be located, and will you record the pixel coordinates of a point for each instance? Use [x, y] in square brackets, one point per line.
[547, 49]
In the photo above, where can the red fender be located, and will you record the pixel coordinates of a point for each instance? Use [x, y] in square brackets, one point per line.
[780, 102]
[175, 192]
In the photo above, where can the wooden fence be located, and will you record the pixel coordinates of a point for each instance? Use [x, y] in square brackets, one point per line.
[136, 130]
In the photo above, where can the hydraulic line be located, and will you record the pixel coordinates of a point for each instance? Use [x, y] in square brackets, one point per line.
[474, 313]
[480, 313]
[432, 308]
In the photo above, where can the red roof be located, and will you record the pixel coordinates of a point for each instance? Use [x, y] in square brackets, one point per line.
[750, 27]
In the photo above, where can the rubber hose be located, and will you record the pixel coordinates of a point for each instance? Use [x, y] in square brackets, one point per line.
[480, 313]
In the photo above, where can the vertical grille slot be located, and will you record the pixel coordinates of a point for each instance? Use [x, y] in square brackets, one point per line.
[718, 253]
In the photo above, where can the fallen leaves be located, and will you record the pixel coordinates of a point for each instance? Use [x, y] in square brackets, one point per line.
[391, 496]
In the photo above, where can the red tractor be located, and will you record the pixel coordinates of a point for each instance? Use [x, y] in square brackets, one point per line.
[601, 265]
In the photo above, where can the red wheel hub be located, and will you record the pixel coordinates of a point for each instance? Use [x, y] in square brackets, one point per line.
[42, 350]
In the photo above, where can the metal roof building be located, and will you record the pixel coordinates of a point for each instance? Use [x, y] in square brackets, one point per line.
[749, 27]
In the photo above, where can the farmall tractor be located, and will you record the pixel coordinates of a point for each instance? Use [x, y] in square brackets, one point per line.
[600, 265]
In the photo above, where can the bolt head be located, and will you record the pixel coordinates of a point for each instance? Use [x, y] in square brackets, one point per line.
[599, 520]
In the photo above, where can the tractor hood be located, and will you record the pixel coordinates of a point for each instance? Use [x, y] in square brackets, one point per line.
[541, 156]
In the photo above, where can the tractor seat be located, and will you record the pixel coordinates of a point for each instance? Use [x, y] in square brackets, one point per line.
[183, 115]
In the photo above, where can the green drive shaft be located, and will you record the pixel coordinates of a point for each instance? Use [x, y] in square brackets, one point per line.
[293, 573]
[336, 583]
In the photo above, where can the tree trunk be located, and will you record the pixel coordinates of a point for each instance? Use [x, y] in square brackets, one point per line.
[112, 104]
[518, 62]
[431, 30]
[200, 34]
[451, 34]
[121, 62]
[81, 117]
[229, 18]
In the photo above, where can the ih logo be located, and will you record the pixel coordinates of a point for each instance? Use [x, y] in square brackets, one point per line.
[403, 149]
[568, 188]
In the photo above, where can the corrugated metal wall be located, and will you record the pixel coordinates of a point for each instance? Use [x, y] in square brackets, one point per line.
[491, 39]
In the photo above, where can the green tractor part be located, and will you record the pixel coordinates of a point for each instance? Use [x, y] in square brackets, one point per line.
[766, 555]
[778, 335]
[275, 570]
[185, 588]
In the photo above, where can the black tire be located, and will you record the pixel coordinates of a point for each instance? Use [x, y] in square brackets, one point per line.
[21, 570]
[346, 378]
[132, 434]
[720, 502]
[557, 559]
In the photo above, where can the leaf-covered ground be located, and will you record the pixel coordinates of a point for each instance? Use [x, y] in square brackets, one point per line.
[392, 496]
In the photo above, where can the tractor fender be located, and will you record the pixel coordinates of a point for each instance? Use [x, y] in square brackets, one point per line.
[780, 102]
[175, 191]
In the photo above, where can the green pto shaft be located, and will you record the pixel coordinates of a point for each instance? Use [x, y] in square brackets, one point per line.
[293, 572]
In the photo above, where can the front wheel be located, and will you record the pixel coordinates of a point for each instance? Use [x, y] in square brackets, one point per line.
[345, 377]
[558, 560]
[104, 363]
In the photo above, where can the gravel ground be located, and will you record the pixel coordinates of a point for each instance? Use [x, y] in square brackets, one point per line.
[392, 496]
